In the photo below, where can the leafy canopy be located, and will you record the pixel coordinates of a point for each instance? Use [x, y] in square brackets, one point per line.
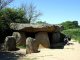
[70, 24]
[11, 15]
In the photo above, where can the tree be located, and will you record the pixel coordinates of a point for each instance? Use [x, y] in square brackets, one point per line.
[3, 32]
[70, 24]
[3, 3]
[41, 22]
[10, 15]
[31, 13]
[7, 16]
[76, 23]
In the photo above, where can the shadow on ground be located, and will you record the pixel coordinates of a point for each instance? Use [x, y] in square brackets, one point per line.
[9, 55]
[60, 45]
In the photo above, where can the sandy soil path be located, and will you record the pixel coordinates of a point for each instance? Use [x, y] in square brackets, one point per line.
[70, 52]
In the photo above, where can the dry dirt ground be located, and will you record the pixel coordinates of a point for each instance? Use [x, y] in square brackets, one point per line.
[70, 52]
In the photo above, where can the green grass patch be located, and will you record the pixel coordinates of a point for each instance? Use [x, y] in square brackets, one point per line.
[21, 46]
[31, 59]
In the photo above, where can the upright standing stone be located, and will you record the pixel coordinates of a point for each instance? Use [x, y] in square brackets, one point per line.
[10, 43]
[0, 46]
[20, 38]
[29, 45]
[43, 39]
[17, 35]
[56, 37]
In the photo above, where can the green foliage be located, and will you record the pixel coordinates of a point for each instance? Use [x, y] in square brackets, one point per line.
[21, 46]
[10, 15]
[7, 16]
[31, 59]
[74, 33]
[70, 25]
[41, 22]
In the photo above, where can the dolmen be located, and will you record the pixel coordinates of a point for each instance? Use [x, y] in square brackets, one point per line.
[34, 35]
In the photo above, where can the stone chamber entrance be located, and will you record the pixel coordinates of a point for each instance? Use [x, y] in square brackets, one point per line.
[48, 35]
[53, 40]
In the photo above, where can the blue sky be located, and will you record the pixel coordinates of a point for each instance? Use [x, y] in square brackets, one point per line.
[54, 11]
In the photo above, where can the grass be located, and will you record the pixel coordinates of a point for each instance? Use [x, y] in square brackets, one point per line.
[21, 46]
[31, 59]
[74, 33]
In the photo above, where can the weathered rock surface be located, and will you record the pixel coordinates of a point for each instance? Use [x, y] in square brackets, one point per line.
[38, 31]
[20, 38]
[35, 27]
[43, 39]
[30, 45]
[10, 43]
[56, 37]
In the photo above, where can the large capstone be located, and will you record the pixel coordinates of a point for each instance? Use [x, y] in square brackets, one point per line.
[10, 43]
[43, 39]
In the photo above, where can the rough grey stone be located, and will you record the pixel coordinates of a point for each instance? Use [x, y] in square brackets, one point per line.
[20, 38]
[30, 45]
[10, 43]
[56, 37]
[43, 39]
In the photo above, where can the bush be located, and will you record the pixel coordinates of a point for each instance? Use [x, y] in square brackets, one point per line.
[74, 33]
[7, 16]
[70, 24]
